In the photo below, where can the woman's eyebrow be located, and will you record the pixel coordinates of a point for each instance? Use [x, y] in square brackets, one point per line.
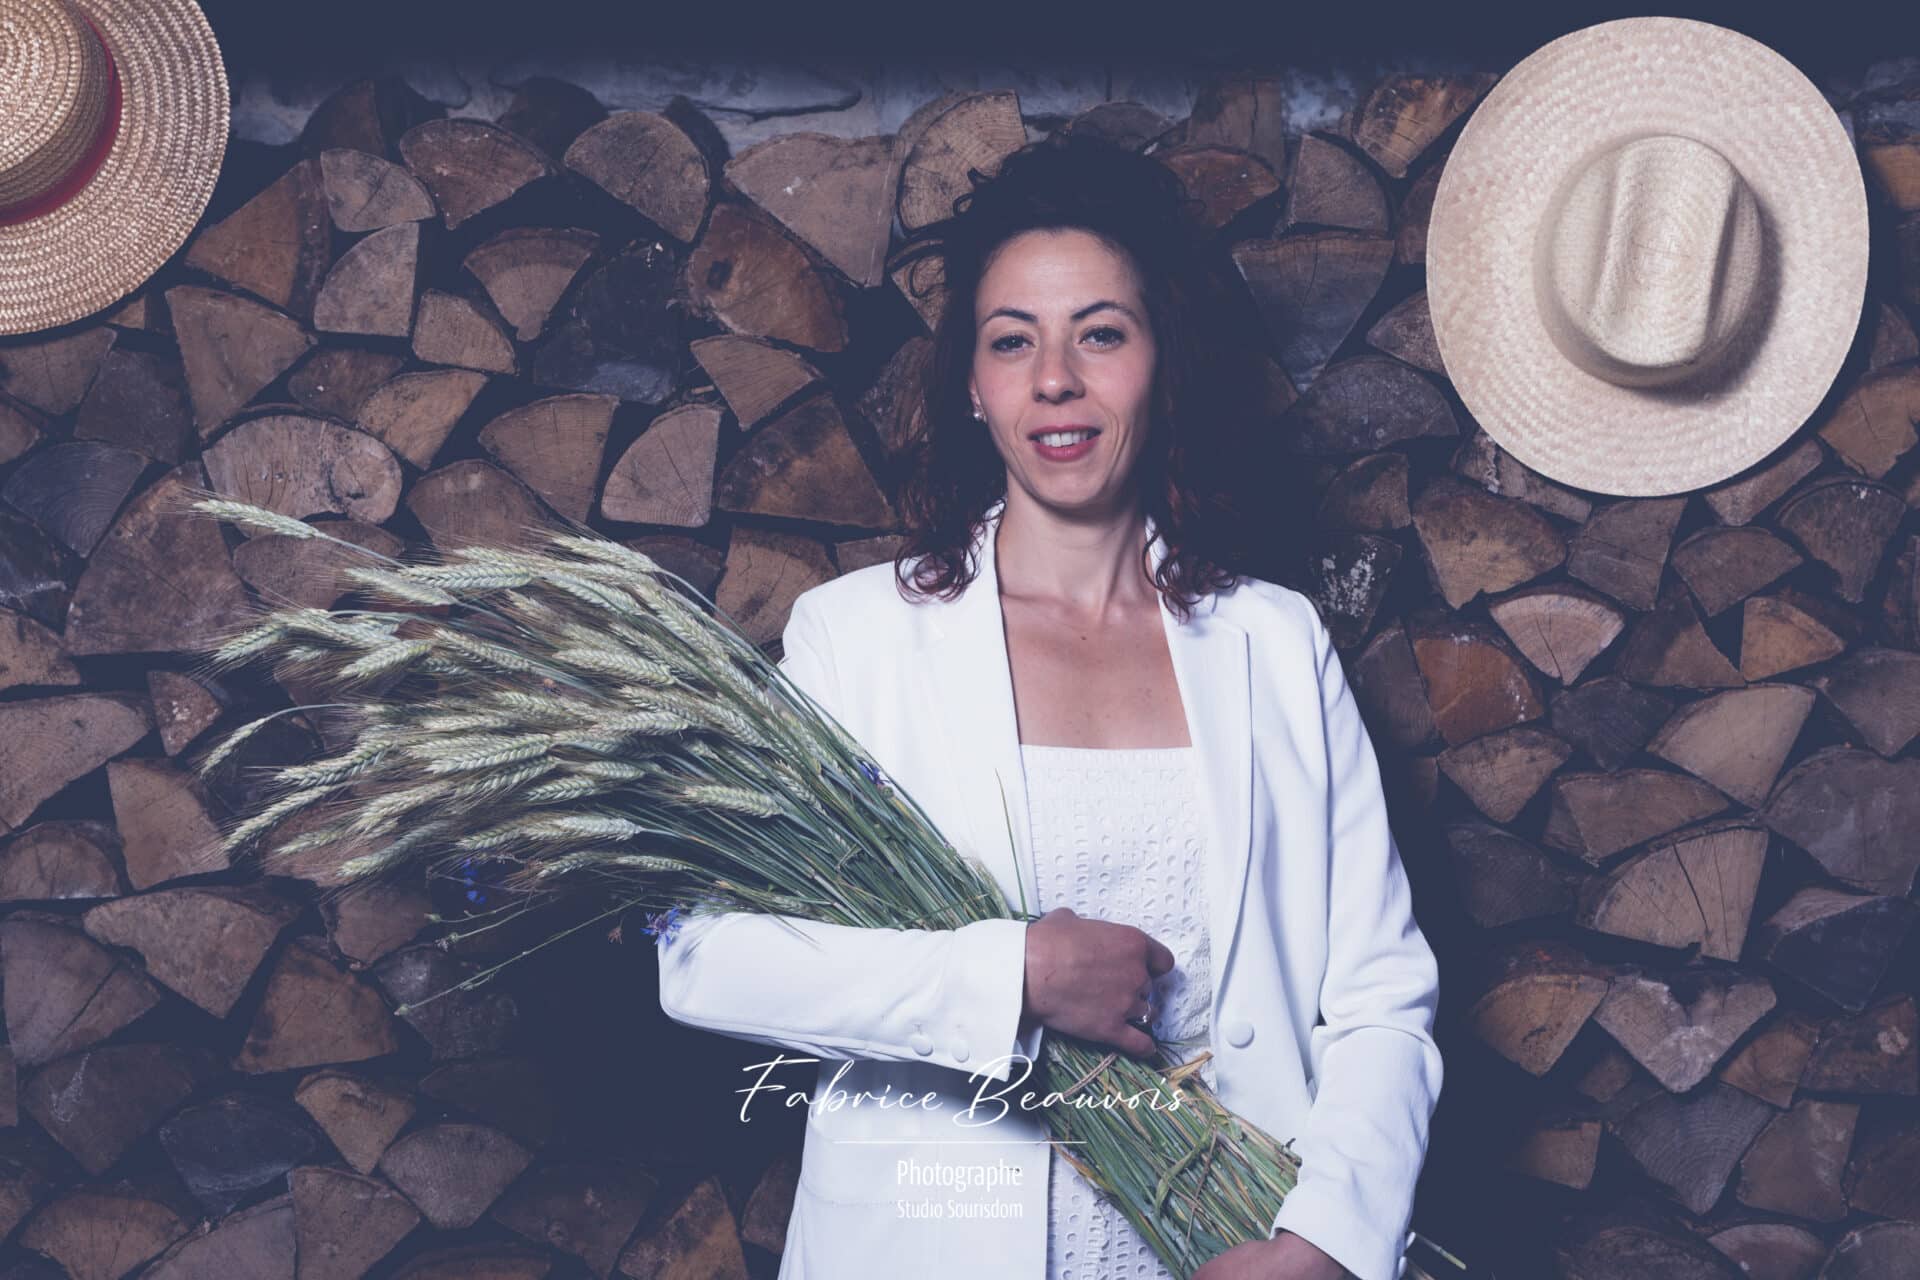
[1081, 314]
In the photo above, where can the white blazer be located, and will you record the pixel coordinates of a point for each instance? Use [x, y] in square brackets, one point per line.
[1324, 988]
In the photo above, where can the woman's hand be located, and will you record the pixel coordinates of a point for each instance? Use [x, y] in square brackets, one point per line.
[1283, 1257]
[1087, 977]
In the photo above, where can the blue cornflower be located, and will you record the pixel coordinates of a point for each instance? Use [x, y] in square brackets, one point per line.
[662, 925]
[468, 877]
[873, 775]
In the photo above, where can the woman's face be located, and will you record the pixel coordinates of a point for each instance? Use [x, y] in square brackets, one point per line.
[1061, 342]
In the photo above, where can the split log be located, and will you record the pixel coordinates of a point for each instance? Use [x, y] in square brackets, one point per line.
[474, 501]
[748, 276]
[1669, 646]
[1883, 1176]
[1838, 944]
[1475, 684]
[1622, 549]
[335, 380]
[554, 446]
[231, 1146]
[1794, 1166]
[71, 860]
[450, 329]
[1691, 1145]
[1311, 289]
[1722, 567]
[1127, 124]
[1366, 404]
[587, 1210]
[469, 165]
[454, 1172]
[1736, 740]
[1678, 1027]
[454, 1023]
[1596, 815]
[366, 115]
[765, 571]
[1502, 878]
[479, 1262]
[1370, 493]
[104, 1233]
[507, 1093]
[1332, 187]
[1876, 1251]
[830, 192]
[138, 401]
[314, 1014]
[1480, 460]
[45, 743]
[21, 428]
[413, 414]
[650, 164]
[804, 464]
[1248, 112]
[64, 992]
[1746, 495]
[1610, 719]
[1561, 1151]
[764, 1222]
[1873, 426]
[370, 921]
[99, 1102]
[1351, 574]
[699, 1238]
[366, 192]
[1403, 115]
[1405, 332]
[52, 374]
[1634, 1252]
[1894, 340]
[301, 466]
[232, 348]
[550, 113]
[526, 270]
[370, 290]
[1854, 813]
[276, 246]
[1696, 887]
[1783, 632]
[1479, 543]
[1223, 181]
[1386, 681]
[73, 489]
[1845, 525]
[860, 553]
[755, 378]
[309, 571]
[203, 942]
[1878, 691]
[1501, 771]
[622, 335]
[1874, 1051]
[1558, 628]
[666, 475]
[30, 654]
[345, 1223]
[977, 132]
[1769, 1064]
[360, 1117]
[1541, 993]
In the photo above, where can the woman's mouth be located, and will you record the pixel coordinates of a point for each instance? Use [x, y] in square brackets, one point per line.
[1065, 446]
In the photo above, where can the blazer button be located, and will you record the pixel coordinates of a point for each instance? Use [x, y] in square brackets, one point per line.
[959, 1050]
[922, 1043]
[1239, 1033]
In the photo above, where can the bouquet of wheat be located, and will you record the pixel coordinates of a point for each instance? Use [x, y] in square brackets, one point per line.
[574, 713]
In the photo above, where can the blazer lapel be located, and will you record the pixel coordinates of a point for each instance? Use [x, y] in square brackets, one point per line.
[967, 680]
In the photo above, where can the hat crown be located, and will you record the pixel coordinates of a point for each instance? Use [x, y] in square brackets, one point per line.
[55, 91]
[1650, 260]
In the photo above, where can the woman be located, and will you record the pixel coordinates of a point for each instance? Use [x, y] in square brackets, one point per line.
[1033, 671]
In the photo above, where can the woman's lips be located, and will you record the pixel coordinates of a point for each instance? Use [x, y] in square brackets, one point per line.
[1066, 453]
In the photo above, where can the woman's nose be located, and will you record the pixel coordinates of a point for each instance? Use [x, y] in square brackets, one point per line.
[1054, 372]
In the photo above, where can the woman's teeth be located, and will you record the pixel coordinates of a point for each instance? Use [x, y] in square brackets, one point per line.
[1058, 439]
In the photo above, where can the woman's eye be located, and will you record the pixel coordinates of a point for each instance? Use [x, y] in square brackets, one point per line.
[1116, 335]
[1106, 334]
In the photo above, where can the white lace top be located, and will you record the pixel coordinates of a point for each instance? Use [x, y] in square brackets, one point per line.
[1118, 834]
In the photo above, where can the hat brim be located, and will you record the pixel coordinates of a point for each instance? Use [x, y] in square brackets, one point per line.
[1589, 89]
[154, 184]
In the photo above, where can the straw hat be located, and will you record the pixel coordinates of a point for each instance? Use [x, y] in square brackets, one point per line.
[113, 123]
[1647, 255]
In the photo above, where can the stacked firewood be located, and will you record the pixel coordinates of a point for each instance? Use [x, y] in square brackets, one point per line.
[1650, 758]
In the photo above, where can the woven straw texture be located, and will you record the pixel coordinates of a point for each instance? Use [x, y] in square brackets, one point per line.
[1590, 91]
[155, 182]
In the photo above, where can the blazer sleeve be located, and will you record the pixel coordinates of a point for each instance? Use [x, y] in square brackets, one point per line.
[946, 996]
[1377, 1068]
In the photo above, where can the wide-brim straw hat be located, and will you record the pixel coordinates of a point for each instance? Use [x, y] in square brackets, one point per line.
[113, 124]
[1647, 255]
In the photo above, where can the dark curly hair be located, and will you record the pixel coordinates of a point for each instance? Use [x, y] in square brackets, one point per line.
[1208, 444]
